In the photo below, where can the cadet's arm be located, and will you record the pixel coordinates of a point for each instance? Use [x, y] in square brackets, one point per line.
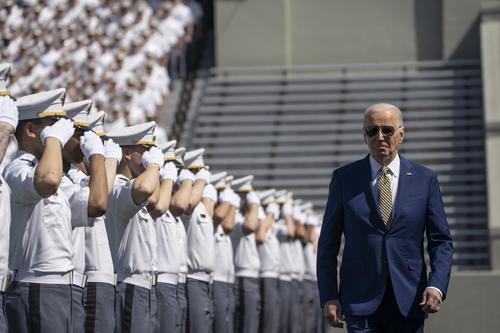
[251, 220]
[49, 171]
[196, 194]
[110, 164]
[144, 185]
[221, 212]
[260, 235]
[165, 194]
[6, 130]
[228, 220]
[98, 187]
[209, 205]
[180, 200]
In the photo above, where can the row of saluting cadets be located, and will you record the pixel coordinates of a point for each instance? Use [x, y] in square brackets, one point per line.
[111, 233]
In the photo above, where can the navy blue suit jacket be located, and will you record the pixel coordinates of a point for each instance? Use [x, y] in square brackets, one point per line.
[371, 252]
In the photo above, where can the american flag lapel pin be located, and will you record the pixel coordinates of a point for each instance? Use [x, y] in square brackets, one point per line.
[409, 174]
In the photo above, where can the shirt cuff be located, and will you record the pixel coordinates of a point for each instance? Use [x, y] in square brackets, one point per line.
[440, 293]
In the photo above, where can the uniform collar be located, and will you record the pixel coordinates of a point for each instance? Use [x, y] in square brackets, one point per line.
[394, 166]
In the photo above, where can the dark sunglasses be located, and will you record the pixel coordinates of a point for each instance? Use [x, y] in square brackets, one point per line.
[373, 130]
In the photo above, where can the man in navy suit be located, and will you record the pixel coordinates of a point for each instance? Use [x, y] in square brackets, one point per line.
[383, 204]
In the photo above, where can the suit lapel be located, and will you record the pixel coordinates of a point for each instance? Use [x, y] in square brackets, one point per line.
[405, 178]
[375, 218]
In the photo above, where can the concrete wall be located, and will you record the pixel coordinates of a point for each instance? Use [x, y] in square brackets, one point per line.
[295, 32]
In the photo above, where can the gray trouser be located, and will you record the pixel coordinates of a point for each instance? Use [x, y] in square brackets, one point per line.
[224, 303]
[3, 317]
[285, 301]
[77, 310]
[321, 325]
[247, 305]
[168, 308]
[99, 301]
[34, 307]
[183, 306]
[270, 314]
[200, 313]
[296, 324]
[309, 307]
[135, 309]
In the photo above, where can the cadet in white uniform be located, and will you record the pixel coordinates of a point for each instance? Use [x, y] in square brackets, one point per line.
[311, 302]
[200, 244]
[224, 275]
[246, 259]
[40, 248]
[8, 124]
[89, 146]
[99, 298]
[285, 233]
[298, 271]
[169, 246]
[131, 230]
[269, 254]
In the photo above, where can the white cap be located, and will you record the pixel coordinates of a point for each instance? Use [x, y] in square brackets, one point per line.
[168, 150]
[179, 153]
[142, 134]
[228, 180]
[267, 197]
[281, 196]
[98, 127]
[194, 159]
[217, 179]
[44, 104]
[243, 184]
[4, 75]
[77, 111]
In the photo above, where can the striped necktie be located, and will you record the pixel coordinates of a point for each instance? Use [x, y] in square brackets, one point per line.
[384, 197]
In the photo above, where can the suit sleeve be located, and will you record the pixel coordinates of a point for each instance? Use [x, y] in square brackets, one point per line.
[329, 243]
[439, 243]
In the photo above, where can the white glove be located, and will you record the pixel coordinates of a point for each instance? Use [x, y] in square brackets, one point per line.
[260, 213]
[185, 175]
[252, 198]
[203, 174]
[210, 192]
[169, 171]
[274, 209]
[311, 220]
[8, 111]
[297, 213]
[77, 176]
[91, 144]
[112, 150]
[62, 130]
[234, 199]
[153, 156]
[287, 209]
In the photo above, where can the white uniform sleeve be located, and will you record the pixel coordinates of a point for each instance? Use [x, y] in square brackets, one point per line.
[121, 203]
[20, 177]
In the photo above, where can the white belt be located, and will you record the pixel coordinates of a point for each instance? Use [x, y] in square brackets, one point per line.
[294, 276]
[101, 277]
[182, 278]
[285, 277]
[79, 279]
[40, 277]
[227, 278]
[169, 278]
[4, 283]
[145, 281]
[268, 274]
[201, 276]
[248, 273]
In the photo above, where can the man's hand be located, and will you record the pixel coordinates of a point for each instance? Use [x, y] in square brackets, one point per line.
[431, 300]
[333, 313]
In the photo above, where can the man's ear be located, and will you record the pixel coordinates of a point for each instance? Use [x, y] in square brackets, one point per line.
[401, 136]
[126, 153]
[31, 130]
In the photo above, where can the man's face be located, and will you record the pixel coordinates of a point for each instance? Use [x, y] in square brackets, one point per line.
[383, 125]
[135, 159]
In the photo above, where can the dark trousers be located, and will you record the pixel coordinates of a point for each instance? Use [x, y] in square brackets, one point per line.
[285, 289]
[35, 307]
[135, 309]
[297, 307]
[247, 305]
[270, 312]
[309, 306]
[386, 319]
[200, 309]
[183, 306]
[3, 317]
[99, 301]
[168, 308]
[224, 307]
[77, 310]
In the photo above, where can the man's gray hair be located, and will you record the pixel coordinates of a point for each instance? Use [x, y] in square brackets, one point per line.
[383, 106]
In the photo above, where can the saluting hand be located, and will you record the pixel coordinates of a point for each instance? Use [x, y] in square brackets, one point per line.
[431, 300]
[333, 313]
